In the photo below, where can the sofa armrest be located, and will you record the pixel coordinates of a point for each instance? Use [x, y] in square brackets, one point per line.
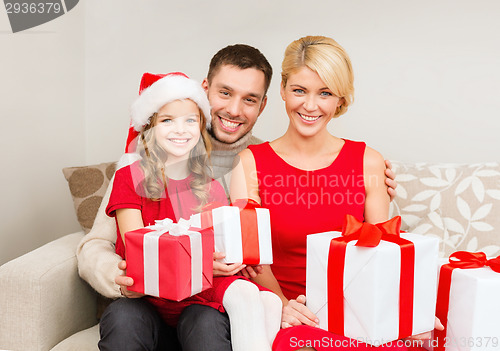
[42, 298]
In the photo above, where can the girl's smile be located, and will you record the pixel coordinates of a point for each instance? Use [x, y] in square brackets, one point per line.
[179, 141]
[177, 129]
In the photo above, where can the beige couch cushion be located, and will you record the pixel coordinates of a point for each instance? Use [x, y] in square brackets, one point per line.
[85, 340]
[88, 185]
[458, 203]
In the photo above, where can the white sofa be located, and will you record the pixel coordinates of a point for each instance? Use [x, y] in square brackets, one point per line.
[44, 305]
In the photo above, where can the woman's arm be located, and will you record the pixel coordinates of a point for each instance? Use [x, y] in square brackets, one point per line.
[377, 199]
[244, 180]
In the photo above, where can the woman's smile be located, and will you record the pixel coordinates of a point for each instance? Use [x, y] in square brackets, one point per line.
[308, 118]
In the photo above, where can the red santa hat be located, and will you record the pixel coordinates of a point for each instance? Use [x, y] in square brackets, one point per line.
[155, 91]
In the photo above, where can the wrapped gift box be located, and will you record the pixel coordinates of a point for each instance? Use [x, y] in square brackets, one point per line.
[241, 231]
[170, 260]
[472, 322]
[371, 287]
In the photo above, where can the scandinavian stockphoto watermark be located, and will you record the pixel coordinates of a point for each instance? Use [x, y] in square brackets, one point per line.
[25, 14]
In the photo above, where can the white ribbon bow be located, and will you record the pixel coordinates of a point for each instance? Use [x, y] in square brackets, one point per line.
[168, 226]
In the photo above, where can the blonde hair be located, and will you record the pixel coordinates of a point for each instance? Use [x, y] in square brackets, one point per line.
[154, 158]
[328, 59]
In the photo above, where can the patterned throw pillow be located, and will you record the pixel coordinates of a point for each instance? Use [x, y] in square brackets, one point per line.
[88, 185]
[460, 204]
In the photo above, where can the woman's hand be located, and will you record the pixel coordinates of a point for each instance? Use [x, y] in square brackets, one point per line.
[124, 282]
[223, 269]
[296, 313]
[251, 271]
[427, 335]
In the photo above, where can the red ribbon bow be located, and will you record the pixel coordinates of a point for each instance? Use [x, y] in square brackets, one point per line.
[462, 260]
[465, 260]
[369, 235]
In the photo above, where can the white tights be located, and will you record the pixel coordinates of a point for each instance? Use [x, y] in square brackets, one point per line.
[255, 316]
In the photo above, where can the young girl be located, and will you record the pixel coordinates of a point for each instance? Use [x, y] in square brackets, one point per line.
[168, 177]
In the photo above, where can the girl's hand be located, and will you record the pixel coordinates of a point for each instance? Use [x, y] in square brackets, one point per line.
[124, 282]
[296, 313]
[223, 269]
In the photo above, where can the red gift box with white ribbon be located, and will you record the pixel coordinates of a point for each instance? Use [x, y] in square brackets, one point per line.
[170, 260]
[242, 231]
[468, 303]
[371, 282]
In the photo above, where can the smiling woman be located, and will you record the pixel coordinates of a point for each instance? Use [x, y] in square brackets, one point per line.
[329, 61]
[310, 104]
[317, 86]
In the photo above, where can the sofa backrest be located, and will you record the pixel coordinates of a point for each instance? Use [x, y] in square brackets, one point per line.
[459, 203]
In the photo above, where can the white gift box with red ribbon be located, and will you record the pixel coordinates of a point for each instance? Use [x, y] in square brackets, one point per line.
[242, 233]
[468, 304]
[370, 288]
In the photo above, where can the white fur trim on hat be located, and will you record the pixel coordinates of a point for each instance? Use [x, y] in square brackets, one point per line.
[163, 91]
[127, 159]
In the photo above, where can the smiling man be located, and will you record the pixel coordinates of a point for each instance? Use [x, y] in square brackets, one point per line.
[237, 97]
[237, 83]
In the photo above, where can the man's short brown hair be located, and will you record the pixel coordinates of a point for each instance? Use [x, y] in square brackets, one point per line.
[242, 56]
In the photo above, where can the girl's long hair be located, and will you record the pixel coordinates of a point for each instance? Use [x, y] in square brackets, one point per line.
[154, 158]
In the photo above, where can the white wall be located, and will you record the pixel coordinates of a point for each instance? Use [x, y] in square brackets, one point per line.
[427, 82]
[427, 72]
[43, 130]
